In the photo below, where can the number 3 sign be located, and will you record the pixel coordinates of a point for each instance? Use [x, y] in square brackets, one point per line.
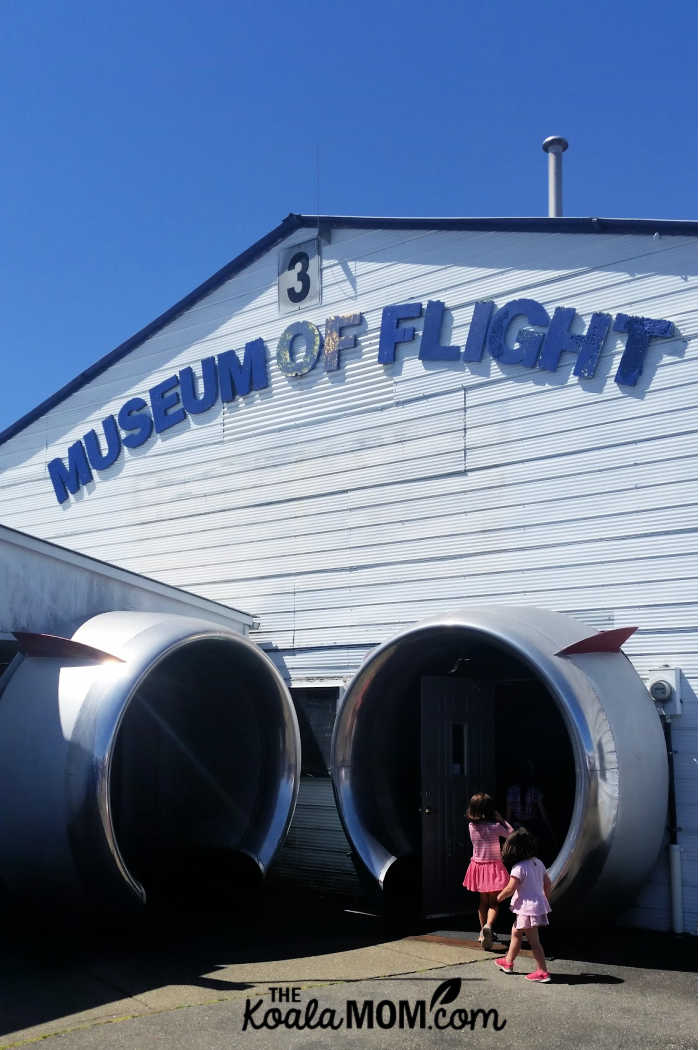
[299, 277]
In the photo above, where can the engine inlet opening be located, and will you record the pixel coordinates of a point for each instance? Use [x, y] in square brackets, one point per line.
[457, 715]
[196, 774]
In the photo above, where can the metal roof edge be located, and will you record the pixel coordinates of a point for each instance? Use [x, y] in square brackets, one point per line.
[532, 224]
[127, 576]
[294, 221]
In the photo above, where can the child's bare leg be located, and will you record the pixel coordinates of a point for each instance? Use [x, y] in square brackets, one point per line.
[492, 913]
[516, 943]
[533, 935]
[483, 909]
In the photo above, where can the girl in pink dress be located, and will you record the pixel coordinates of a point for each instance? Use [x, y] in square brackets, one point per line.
[486, 874]
[529, 885]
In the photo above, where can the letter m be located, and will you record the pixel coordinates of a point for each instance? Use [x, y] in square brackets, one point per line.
[408, 1019]
[363, 1018]
[485, 1017]
[235, 378]
[70, 478]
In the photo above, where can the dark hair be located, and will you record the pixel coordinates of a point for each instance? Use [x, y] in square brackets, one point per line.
[481, 808]
[520, 845]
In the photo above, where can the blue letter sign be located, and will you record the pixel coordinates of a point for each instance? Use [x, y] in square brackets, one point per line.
[226, 377]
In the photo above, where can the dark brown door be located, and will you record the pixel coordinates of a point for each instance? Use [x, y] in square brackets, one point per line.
[457, 760]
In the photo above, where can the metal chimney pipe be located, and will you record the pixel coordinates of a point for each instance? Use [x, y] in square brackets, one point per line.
[555, 146]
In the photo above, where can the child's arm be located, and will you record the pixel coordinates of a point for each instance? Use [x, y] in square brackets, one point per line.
[547, 885]
[508, 890]
[504, 824]
[498, 819]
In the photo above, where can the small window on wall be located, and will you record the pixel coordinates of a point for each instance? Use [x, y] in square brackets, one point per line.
[458, 766]
[315, 708]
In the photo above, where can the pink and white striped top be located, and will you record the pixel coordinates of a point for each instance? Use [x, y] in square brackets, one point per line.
[485, 840]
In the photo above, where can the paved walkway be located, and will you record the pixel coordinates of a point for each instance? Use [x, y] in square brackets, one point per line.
[196, 986]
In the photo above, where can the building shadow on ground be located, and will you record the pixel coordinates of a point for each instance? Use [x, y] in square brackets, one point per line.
[52, 966]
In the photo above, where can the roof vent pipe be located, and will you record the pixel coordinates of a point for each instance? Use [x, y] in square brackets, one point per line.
[555, 146]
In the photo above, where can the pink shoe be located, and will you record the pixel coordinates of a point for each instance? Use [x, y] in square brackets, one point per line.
[539, 976]
[505, 966]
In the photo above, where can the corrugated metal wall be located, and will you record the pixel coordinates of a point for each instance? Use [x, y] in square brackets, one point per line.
[316, 855]
[340, 506]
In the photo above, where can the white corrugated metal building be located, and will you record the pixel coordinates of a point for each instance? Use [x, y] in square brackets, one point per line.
[494, 454]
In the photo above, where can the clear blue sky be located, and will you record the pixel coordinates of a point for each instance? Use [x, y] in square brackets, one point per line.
[146, 144]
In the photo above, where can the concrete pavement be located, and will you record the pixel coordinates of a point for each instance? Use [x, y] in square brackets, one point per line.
[210, 982]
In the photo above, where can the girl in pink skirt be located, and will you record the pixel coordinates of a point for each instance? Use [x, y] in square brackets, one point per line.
[486, 874]
[530, 886]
